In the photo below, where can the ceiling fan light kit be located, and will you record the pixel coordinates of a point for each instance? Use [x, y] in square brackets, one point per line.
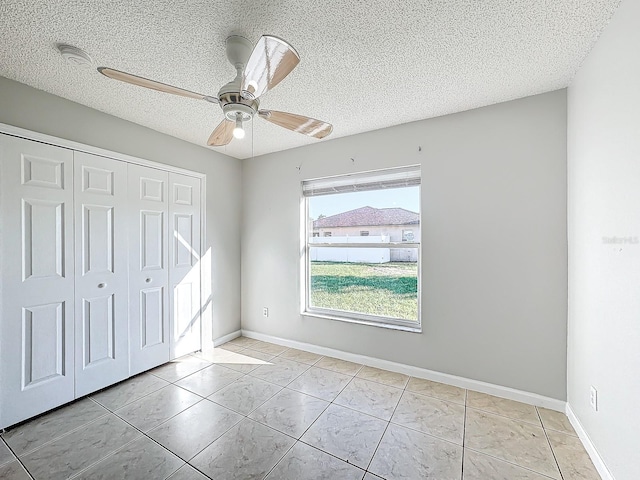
[258, 70]
[238, 132]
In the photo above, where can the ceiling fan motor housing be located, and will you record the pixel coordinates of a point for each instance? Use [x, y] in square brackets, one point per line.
[234, 104]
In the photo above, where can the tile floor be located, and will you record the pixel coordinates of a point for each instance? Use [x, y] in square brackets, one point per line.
[254, 410]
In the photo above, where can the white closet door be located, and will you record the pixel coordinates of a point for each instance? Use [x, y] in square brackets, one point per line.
[101, 280]
[36, 328]
[149, 268]
[184, 261]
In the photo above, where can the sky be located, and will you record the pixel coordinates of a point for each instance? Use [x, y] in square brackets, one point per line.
[407, 198]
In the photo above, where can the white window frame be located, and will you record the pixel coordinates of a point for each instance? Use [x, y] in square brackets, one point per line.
[346, 316]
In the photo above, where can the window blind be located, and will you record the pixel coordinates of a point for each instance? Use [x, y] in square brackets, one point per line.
[360, 182]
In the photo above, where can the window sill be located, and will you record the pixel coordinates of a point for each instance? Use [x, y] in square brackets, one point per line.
[382, 324]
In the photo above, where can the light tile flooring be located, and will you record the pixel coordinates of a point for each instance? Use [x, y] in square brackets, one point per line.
[253, 410]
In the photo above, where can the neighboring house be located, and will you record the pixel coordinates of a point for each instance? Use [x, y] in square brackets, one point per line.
[390, 224]
[398, 224]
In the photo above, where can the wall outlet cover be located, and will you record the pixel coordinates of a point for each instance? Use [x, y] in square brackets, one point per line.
[593, 397]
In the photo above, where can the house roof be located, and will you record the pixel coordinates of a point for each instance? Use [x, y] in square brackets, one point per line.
[369, 217]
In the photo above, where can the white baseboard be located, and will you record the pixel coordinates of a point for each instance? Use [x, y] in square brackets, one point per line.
[226, 338]
[497, 390]
[588, 445]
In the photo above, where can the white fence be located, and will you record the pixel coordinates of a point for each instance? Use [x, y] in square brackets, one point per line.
[346, 254]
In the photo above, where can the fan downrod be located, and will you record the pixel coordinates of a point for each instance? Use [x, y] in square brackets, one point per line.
[233, 104]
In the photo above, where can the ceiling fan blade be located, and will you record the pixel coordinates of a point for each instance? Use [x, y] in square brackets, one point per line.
[152, 84]
[270, 62]
[222, 135]
[298, 123]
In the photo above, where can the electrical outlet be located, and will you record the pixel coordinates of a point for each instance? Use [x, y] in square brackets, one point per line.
[265, 312]
[593, 398]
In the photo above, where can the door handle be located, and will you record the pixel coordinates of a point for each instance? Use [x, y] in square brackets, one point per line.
[102, 285]
[148, 280]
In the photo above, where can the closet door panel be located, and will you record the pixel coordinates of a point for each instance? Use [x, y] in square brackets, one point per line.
[149, 268]
[184, 259]
[152, 317]
[37, 268]
[101, 280]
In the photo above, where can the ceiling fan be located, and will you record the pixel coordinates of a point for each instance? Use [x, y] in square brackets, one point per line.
[258, 71]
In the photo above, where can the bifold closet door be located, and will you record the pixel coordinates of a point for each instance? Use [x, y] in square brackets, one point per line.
[101, 280]
[184, 261]
[37, 324]
[149, 332]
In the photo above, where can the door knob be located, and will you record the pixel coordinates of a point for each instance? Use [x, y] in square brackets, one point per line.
[102, 285]
[148, 280]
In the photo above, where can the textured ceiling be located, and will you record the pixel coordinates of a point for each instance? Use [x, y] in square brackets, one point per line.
[365, 64]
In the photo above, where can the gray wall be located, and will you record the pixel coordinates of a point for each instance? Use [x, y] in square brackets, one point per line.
[604, 277]
[35, 110]
[494, 260]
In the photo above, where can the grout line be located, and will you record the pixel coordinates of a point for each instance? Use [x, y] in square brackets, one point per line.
[367, 414]
[164, 421]
[186, 466]
[364, 471]
[95, 400]
[313, 395]
[336, 371]
[299, 440]
[549, 443]
[513, 419]
[387, 427]
[313, 423]
[528, 469]
[16, 458]
[278, 462]
[440, 399]
[464, 433]
[187, 375]
[281, 458]
[320, 357]
[109, 455]
[208, 444]
[464, 423]
[378, 445]
[423, 433]
[382, 383]
[29, 452]
[143, 434]
[259, 405]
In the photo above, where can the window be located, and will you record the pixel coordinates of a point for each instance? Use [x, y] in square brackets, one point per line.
[372, 279]
[407, 235]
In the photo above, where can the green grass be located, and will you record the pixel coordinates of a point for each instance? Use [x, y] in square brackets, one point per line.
[386, 289]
